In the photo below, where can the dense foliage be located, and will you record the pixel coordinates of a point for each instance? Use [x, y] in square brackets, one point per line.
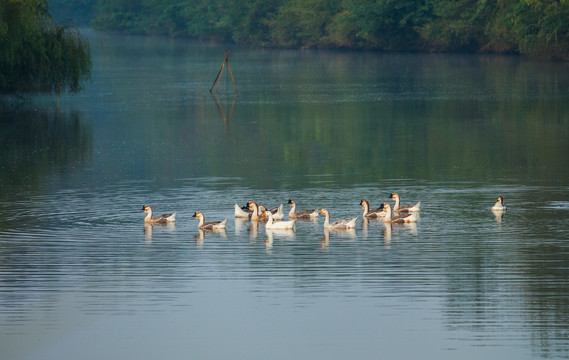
[38, 55]
[534, 27]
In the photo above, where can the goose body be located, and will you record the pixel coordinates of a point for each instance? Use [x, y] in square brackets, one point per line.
[345, 224]
[242, 212]
[405, 218]
[304, 214]
[158, 219]
[210, 225]
[280, 225]
[499, 205]
[397, 208]
[277, 212]
[371, 213]
[254, 207]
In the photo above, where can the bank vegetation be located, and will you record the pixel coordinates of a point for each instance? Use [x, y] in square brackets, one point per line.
[38, 55]
[539, 28]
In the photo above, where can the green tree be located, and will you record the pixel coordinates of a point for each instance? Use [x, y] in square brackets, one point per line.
[38, 55]
[254, 18]
[389, 24]
[534, 27]
[303, 23]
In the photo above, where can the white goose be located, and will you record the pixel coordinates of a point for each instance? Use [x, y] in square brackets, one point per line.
[210, 225]
[408, 208]
[242, 212]
[280, 225]
[499, 205]
[400, 219]
[158, 219]
[349, 223]
[304, 214]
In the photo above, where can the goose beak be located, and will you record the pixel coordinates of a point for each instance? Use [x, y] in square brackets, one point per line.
[143, 208]
[195, 216]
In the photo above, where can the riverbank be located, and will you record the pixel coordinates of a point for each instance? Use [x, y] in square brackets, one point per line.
[539, 30]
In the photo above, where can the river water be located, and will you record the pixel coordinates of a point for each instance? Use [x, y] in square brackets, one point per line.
[82, 277]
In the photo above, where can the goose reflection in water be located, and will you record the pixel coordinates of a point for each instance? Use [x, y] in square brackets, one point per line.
[240, 225]
[148, 229]
[341, 233]
[365, 227]
[373, 222]
[200, 236]
[412, 227]
[499, 215]
[388, 228]
[288, 234]
[148, 233]
[253, 230]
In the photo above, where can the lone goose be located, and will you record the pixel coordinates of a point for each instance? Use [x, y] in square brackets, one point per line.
[349, 223]
[305, 214]
[371, 213]
[499, 205]
[408, 208]
[210, 225]
[158, 219]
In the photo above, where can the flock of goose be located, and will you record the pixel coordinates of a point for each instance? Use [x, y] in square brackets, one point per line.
[275, 217]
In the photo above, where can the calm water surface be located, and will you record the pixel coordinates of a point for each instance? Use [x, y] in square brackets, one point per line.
[81, 277]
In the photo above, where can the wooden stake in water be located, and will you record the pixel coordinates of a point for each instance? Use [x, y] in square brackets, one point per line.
[220, 73]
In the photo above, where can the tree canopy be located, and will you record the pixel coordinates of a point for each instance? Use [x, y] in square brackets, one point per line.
[36, 53]
[534, 27]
